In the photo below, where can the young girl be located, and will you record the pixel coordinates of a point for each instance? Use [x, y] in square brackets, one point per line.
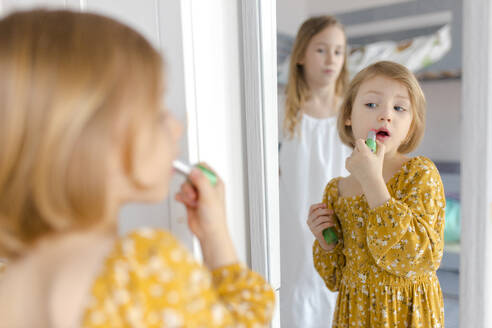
[310, 155]
[389, 213]
[84, 130]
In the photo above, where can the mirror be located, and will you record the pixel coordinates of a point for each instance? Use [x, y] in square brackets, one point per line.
[426, 38]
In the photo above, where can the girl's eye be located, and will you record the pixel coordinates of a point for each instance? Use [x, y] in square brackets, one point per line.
[399, 109]
[320, 50]
[338, 52]
[371, 105]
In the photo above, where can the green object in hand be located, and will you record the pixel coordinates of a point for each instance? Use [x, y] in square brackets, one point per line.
[371, 141]
[209, 174]
[185, 170]
[330, 236]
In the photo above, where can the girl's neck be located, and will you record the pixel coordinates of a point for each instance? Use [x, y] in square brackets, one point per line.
[392, 164]
[322, 102]
[104, 230]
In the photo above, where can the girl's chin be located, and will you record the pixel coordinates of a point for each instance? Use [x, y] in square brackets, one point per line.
[155, 194]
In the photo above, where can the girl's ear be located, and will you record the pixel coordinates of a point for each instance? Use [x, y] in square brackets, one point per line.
[301, 61]
[348, 122]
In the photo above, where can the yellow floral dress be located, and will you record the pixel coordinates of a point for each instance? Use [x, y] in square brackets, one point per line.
[151, 280]
[384, 265]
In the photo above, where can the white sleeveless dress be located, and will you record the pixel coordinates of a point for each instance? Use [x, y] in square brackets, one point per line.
[307, 164]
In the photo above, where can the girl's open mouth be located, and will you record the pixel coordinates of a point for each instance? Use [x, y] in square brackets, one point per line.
[382, 134]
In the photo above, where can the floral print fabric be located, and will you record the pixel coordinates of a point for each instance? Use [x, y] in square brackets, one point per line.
[384, 265]
[151, 280]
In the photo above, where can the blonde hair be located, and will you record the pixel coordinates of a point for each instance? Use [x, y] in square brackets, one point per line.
[297, 89]
[73, 86]
[400, 74]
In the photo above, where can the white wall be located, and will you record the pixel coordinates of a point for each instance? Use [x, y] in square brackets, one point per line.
[476, 165]
[442, 139]
[213, 57]
[290, 15]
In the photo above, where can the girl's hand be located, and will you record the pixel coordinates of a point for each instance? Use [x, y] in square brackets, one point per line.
[365, 165]
[319, 219]
[205, 204]
[205, 207]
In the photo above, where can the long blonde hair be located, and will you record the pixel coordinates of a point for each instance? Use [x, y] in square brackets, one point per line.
[400, 74]
[297, 90]
[71, 84]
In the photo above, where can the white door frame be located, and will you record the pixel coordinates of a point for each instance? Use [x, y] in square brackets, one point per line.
[476, 163]
[260, 104]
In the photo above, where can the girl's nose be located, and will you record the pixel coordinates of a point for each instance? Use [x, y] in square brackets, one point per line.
[385, 114]
[329, 58]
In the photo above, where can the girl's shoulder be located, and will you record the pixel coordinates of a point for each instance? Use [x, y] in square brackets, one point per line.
[331, 190]
[414, 172]
[148, 251]
[144, 243]
[418, 165]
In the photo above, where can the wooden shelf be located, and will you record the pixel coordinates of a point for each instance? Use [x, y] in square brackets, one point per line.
[439, 76]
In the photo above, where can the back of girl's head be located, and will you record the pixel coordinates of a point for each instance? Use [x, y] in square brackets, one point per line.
[73, 87]
[297, 89]
[398, 73]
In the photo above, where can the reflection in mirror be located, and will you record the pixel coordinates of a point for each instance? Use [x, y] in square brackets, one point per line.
[314, 61]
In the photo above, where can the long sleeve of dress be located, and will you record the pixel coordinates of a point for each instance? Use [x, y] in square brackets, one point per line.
[405, 235]
[329, 264]
[151, 280]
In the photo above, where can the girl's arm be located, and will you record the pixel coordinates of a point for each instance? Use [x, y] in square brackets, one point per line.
[405, 234]
[329, 264]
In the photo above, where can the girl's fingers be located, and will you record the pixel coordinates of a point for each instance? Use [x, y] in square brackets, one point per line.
[380, 150]
[360, 145]
[189, 191]
[363, 147]
[315, 207]
[323, 225]
[200, 182]
[314, 217]
[220, 183]
[185, 200]
[321, 219]
[322, 211]
[312, 211]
